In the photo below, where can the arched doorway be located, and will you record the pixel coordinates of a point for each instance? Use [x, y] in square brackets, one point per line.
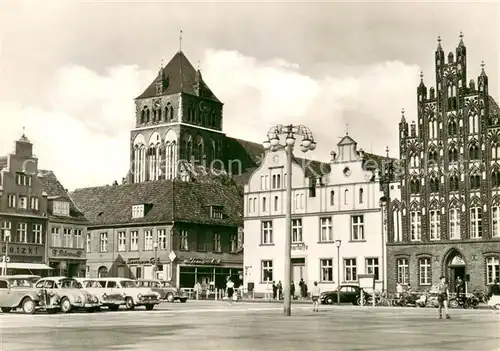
[454, 267]
[102, 272]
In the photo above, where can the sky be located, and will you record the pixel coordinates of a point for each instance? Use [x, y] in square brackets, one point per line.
[69, 70]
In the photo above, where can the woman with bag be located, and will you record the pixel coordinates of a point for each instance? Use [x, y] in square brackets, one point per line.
[230, 289]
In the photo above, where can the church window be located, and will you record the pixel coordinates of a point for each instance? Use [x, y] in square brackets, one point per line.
[452, 128]
[414, 186]
[495, 178]
[433, 155]
[475, 181]
[454, 183]
[473, 124]
[495, 152]
[434, 185]
[453, 154]
[474, 152]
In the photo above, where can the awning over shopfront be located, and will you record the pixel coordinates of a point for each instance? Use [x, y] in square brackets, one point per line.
[30, 266]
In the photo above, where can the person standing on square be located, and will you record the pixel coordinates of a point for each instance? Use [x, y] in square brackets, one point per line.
[315, 293]
[443, 297]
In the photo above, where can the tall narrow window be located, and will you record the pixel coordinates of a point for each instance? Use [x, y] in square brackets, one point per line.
[435, 224]
[453, 154]
[326, 234]
[183, 240]
[495, 178]
[402, 271]
[424, 271]
[266, 237]
[361, 195]
[397, 225]
[357, 228]
[22, 233]
[37, 234]
[475, 181]
[454, 214]
[162, 239]
[492, 269]
[346, 197]
[372, 267]
[297, 230]
[134, 240]
[122, 241]
[476, 215]
[454, 183]
[495, 221]
[217, 244]
[148, 240]
[276, 203]
[350, 272]
[326, 270]
[264, 204]
[103, 242]
[332, 198]
[415, 222]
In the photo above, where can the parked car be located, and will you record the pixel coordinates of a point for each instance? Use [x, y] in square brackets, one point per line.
[111, 300]
[134, 295]
[348, 293]
[164, 288]
[70, 292]
[18, 291]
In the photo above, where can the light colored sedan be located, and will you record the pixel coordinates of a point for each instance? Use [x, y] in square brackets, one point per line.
[70, 292]
[18, 292]
[134, 295]
[110, 299]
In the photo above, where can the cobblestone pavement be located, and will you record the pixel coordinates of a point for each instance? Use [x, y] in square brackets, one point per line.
[204, 325]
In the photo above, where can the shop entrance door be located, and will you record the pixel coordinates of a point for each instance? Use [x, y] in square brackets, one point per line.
[299, 270]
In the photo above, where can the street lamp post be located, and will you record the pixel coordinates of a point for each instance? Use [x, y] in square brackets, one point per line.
[383, 202]
[338, 243]
[289, 132]
[155, 267]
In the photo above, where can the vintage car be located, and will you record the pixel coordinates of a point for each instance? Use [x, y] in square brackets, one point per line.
[111, 300]
[18, 291]
[70, 292]
[164, 288]
[134, 295]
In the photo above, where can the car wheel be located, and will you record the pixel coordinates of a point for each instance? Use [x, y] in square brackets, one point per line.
[170, 297]
[65, 305]
[6, 309]
[113, 308]
[150, 307]
[357, 302]
[29, 306]
[497, 307]
[129, 303]
[329, 301]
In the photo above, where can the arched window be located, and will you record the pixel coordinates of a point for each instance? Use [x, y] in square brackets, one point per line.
[361, 195]
[433, 129]
[213, 154]
[170, 111]
[346, 196]
[474, 152]
[264, 204]
[452, 128]
[475, 181]
[414, 186]
[414, 161]
[495, 151]
[433, 155]
[332, 198]
[473, 123]
[276, 203]
[453, 154]
[189, 149]
[495, 178]
[454, 183]
[397, 224]
[434, 185]
[147, 116]
[165, 114]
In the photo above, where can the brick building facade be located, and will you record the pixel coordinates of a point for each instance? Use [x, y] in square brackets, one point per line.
[184, 232]
[445, 219]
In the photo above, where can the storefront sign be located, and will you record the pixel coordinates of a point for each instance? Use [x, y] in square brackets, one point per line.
[299, 247]
[23, 249]
[60, 253]
[198, 261]
[143, 261]
[24, 259]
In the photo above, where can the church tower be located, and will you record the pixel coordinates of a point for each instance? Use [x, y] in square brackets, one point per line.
[178, 121]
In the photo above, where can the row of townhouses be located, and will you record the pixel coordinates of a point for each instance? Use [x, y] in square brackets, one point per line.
[198, 205]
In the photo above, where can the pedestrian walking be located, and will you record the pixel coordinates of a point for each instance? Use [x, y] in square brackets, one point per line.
[292, 290]
[301, 287]
[443, 297]
[275, 290]
[230, 290]
[280, 290]
[315, 296]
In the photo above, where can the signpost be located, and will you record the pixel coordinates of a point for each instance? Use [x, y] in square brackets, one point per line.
[367, 281]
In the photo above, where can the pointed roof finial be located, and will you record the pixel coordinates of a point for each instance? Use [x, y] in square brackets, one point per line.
[387, 151]
[24, 130]
[439, 43]
[180, 41]
[198, 66]
[403, 112]
[161, 63]
[482, 65]
[346, 129]
[461, 35]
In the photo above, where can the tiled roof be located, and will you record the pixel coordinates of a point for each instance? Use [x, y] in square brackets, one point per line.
[168, 201]
[112, 204]
[180, 76]
[54, 189]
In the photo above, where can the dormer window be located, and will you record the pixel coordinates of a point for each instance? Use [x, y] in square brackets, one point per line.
[138, 211]
[23, 179]
[60, 208]
[216, 212]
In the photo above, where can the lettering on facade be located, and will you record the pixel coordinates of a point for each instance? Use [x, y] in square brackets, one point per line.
[66, 253]
[23, 250]
[143, 261]
[199, 261]
[299, 247]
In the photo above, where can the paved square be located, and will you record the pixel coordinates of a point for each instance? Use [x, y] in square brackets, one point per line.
[252, 326]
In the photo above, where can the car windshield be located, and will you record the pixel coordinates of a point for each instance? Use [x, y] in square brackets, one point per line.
[128, 284]
[154, 285]
[93, 284]
[70, 284]
[23, 282]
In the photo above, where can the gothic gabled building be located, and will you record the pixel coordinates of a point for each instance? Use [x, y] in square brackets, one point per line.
[446, 219]
[179, 122]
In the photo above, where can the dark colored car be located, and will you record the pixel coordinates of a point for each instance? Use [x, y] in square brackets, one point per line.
[164, 288]
[348, 293]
